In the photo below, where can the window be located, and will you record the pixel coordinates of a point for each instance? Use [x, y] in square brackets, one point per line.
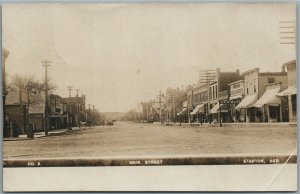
[254, 85]
[271, 80]
[247, 90]
[236, 86]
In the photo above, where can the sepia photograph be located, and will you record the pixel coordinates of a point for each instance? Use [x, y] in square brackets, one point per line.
[139, 96]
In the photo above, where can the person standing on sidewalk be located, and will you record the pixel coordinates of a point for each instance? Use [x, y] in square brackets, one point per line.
[15, 129]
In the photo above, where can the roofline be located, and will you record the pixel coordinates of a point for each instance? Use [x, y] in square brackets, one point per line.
[251, 70]
[278, 73]
[289, 62]
[236, 82]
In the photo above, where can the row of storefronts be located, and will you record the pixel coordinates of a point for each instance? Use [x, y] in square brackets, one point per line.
[252, 96]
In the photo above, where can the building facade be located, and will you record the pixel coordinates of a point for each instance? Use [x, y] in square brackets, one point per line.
[6, 131]
[76, 110]
[16, 110]
[289, 96]
[255, 85]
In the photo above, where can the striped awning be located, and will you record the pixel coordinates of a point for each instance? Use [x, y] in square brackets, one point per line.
[183, 111]
[216, 108]
[291, 90]
[269, 98]
[199, 109]
[247, 102]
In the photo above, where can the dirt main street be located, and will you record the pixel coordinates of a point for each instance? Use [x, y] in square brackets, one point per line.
[130, 140]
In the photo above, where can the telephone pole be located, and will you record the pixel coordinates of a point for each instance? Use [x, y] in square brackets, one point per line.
[174, 114]
[160, 107]
[70, 88]
[159, 101]
[78, 112]
[207, 77]
[46, 64]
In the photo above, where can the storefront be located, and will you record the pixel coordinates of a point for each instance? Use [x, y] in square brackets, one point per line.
[245, 108]
[221, 109]
[198, 113]
[290, 107]
[182, 116]
[268, 106]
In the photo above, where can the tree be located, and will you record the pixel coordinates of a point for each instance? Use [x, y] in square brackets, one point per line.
[33, 87]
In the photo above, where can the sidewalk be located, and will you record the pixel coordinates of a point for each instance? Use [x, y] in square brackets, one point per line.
[215, 124]
[42, 134]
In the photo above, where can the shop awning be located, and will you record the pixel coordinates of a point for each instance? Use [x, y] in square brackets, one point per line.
[291, 90]
[182, 112]
[215, 109]
[247, 102]
[235, 97]
[269, 98]
[199, 109]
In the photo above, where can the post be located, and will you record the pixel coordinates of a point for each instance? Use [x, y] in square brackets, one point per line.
[147, 111]
[46, 65]
[220, 111]
[174, 114]
[208, 99]
[160, 107]
[21, 110]
[27, 110]
[70, 88]
[290, 108]
[78, 111]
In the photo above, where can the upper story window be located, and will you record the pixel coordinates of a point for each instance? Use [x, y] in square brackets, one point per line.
[271, 80]
[236, 86]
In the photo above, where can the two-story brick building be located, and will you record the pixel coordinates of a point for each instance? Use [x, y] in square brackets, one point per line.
[220, 90]
[236, 95]
[197, 102]
[76, 110]
[204, 103]
[58, 113]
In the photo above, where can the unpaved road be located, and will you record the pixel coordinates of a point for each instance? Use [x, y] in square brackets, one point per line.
[153, 140]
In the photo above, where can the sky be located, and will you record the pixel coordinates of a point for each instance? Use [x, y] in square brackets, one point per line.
[121, 54]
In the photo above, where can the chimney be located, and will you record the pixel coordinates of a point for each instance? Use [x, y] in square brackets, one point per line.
[282, 68]
[238, 71]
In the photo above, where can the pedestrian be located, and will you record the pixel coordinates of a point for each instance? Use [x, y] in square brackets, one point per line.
[259, 115]
[30, 131]
[201, 119]
[15, 129]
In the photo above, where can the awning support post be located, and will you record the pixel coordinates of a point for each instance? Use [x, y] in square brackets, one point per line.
[220, 120]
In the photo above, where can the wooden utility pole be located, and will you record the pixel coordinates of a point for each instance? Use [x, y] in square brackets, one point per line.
[46, 64]
[70, 88]
[207, 77]
[160, 107]
[78, 111]
[174, 114]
